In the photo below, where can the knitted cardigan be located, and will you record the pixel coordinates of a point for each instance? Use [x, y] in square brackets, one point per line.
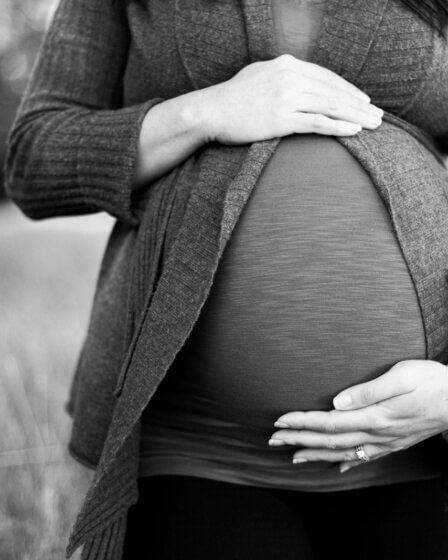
[73, 150]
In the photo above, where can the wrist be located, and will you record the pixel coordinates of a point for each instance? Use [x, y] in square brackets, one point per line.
[170, 132]
[199, 113]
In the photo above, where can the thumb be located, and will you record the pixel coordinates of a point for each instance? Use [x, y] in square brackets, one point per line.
[388, 385]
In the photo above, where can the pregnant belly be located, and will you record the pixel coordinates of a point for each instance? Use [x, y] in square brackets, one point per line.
[312, 294]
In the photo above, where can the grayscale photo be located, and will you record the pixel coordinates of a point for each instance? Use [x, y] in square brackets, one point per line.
[224, 279]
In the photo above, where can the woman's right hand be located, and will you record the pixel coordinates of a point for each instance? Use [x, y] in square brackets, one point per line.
[263, 100]
[284, 96]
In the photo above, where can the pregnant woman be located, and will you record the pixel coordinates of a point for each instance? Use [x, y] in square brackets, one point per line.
[293, 408]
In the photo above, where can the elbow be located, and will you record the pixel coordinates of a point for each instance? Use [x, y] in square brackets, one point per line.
[20, 186]
[17, 192]
[28, 184]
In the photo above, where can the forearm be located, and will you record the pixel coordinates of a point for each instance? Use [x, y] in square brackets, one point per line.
[73, 148]
[171, 131]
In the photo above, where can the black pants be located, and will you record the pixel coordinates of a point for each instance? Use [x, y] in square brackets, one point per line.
[182, 517]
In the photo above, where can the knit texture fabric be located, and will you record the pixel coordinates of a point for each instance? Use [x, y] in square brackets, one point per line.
[73, 150]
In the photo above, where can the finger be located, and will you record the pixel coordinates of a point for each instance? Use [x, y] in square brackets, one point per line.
[320, 124]
[317, 72]
[389, 385]
[336, 456]
[304, 84]
[347, 465]
[340, 108]
[332, 422]
[317, 440]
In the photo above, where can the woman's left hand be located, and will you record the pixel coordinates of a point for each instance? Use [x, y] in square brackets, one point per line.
[405, 405]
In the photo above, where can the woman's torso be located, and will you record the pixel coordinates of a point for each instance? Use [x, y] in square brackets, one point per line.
[312, 295]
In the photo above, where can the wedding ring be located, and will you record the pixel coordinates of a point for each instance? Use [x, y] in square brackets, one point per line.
[361, 454]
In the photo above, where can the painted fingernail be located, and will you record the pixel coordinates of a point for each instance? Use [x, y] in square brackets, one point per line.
[298, 460]
[281, 424]
[344, 468]
[274, 442]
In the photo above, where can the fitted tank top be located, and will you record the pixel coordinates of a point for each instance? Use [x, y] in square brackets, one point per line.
[312, 295]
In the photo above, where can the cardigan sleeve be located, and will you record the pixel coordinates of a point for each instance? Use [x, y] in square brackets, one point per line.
[73, 147]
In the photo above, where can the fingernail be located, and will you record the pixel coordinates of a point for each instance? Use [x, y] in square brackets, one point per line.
[344, 468]
[342, 401]
[376, 111]
[276, 442]
[375, 122]
[354, 128]
[281, 424]
[364, 96]
[298, 460]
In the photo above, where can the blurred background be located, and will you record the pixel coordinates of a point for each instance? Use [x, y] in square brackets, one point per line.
[48, 271]
[22, 23]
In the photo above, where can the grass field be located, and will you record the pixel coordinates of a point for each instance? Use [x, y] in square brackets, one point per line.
[47, 277]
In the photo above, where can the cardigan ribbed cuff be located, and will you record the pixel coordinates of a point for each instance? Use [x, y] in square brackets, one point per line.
[107, 157]
[77, 162]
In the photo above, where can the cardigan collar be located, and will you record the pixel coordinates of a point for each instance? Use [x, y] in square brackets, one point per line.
[342, 20]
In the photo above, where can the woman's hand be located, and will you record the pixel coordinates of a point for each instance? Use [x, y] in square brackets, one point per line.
[283, 96]
[264, 100]
[407, 404]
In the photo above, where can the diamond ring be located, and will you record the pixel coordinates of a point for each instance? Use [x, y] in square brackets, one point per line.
[361, 454]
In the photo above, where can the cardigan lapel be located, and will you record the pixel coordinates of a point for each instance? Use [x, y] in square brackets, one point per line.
[259, 26]
[217, 39]
[211, 39]
[211, 36]
[412, 213]
[346, 22]
[226, 177]
[418, 218]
